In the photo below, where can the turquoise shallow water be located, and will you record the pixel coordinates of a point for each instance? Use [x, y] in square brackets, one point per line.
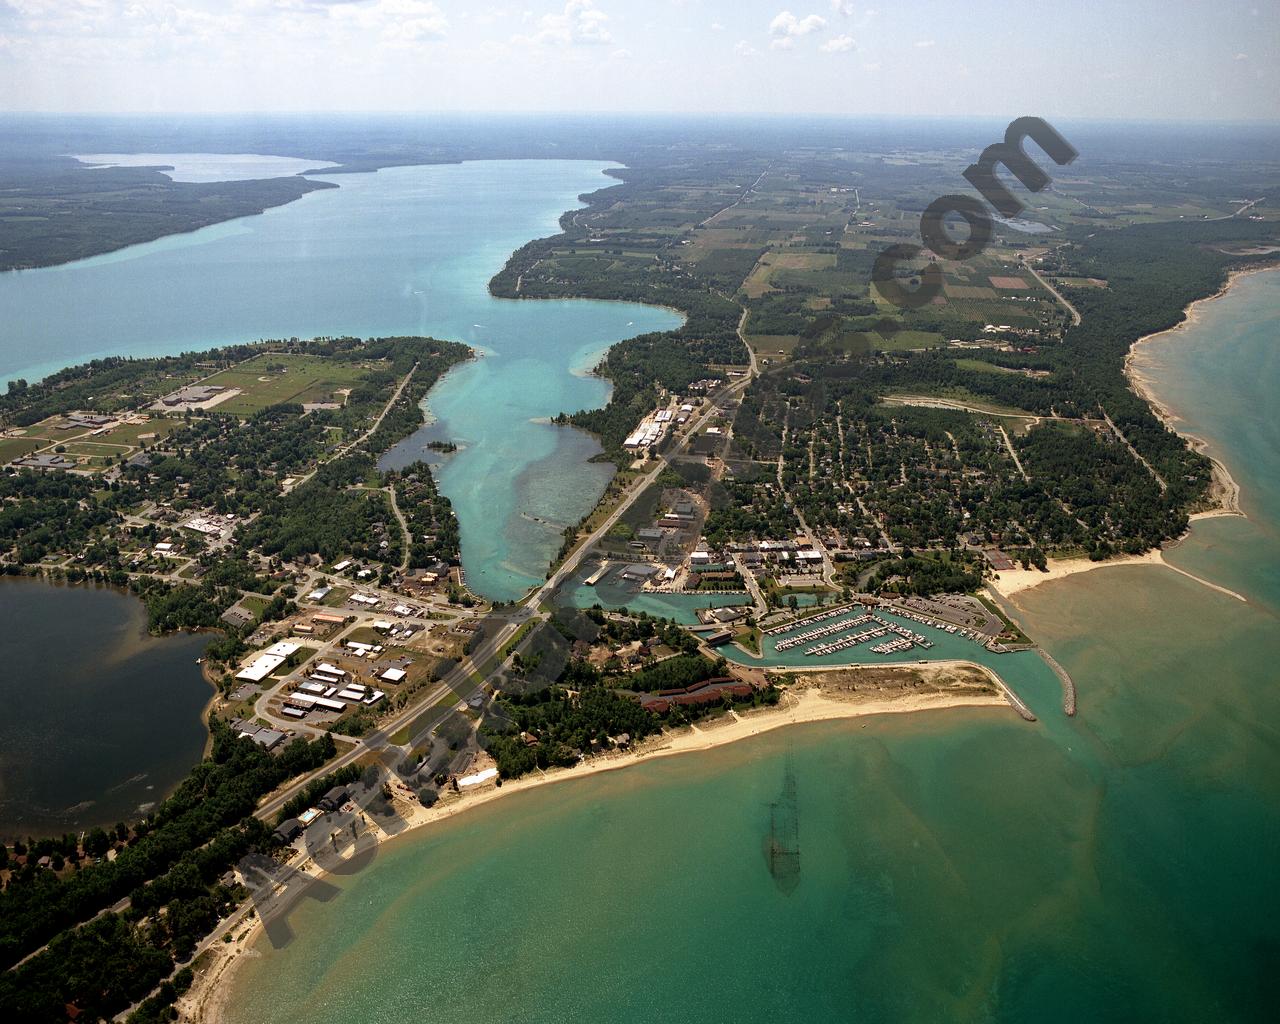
[957, 866]
[682, 608]
[407, 250]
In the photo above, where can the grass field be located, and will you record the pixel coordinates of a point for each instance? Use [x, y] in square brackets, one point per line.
[773, 346]
[1080, 282]
[905, 340]
[273, 378]
[15, 447]
[129, 433]
[337, 596]
[94, 448]
[254, 603]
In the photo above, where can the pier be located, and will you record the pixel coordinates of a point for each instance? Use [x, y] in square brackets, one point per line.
[977, 637]
[1068, 687]
[817, 634]
[808, 620]
[598, 575]
[904, 641]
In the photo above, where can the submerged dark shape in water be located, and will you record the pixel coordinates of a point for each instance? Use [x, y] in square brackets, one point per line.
[782, 844]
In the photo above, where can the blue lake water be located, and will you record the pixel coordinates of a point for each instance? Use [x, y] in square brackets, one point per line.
[99, 718]
[407, 250]
[207, 167]
[954, 866]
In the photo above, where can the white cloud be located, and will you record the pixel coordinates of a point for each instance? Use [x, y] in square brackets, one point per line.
[744, 49]
[924, 44]
[842, 7]
[1241, 56]
[716, 27]
[839, 44]
[581, 24]
[787, 26]
[402, 22]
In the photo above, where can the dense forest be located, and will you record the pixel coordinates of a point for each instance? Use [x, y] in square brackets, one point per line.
[587, 707]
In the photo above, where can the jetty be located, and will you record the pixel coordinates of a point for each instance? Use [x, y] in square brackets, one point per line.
[1068, 687]
[782, 844]
[1017, 702]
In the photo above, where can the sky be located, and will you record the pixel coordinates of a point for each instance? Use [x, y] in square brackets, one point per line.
[1146, 59]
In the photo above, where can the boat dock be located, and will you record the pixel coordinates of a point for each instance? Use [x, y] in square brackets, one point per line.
[905, 639]
[817, 634]
[808, 620]
[598, 575]
[982, 639]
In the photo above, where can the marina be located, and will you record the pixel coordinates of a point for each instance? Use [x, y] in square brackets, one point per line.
[904, 640]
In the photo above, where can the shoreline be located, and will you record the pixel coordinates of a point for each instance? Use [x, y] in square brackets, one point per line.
[209, 994]
[1224, 491]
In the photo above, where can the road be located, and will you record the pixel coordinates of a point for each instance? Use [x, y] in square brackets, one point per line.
[462, 679]
[1134, 452]
[1013, 452]
[1075, 314]
[466, 679]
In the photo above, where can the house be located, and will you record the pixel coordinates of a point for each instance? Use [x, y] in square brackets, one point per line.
[288, 830]
[333, 799]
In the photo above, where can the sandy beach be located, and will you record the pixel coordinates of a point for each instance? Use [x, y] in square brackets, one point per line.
[1224, 491]
[206, 999]
[1013, 581]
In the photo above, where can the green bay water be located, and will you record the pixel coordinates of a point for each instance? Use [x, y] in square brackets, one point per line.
[407, 250]
[955, 866]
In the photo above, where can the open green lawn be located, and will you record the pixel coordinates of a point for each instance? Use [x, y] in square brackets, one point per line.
[773, 346]
[15, 447]
[94, 448]
[274, 377]
[129, 433]
[254, 603]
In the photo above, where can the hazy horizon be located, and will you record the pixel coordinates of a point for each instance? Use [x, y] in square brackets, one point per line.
[1140, 61]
